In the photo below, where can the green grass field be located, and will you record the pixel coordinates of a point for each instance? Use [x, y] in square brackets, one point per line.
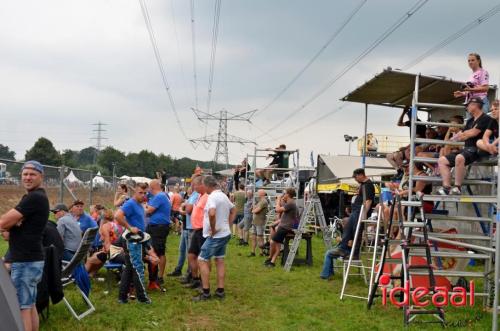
[257, 299]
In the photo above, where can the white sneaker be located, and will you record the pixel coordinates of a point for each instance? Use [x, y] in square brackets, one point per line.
[443, 191]
[456, 191]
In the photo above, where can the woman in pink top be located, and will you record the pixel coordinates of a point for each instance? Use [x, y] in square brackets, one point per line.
[478, 83]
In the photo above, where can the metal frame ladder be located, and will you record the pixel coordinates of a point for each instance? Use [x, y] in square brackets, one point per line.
[312, 210]
[406, 230]
[358, 263]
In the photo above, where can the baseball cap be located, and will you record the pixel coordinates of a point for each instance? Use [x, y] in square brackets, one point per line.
[476, 100]
[77, 202]
[32, 164]
[59, 207]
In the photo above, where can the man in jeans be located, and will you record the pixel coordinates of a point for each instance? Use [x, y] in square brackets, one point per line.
[187, 230]
[131, 217]
[158, 209]
[69, 230]
[219, 215]
[365, 196]
[25, 224]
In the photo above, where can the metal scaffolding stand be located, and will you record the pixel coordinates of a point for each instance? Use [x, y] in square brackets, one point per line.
[481, 197]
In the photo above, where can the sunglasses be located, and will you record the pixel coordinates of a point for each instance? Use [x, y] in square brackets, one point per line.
[55, 211]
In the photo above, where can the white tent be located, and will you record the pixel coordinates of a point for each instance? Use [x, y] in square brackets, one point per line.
[141, 179]
[71, 179]
[98, 180]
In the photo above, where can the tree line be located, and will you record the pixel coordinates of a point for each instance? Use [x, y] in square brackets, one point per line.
[144, 163]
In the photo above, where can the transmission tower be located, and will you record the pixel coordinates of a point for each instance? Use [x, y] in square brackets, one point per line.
[99, 137]
[222, 138]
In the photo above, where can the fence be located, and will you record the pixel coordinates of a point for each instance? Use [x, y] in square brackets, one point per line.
[62, 184]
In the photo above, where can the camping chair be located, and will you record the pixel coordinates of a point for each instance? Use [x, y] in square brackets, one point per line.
[78, 258]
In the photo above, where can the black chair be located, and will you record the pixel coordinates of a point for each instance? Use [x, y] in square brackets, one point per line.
[70, 266]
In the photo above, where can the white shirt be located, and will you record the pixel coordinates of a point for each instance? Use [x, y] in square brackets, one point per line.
[223, 206]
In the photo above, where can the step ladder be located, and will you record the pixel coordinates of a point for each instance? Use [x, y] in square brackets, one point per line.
[385, 255]
[406, 231]
[358, 263]
[312, 210]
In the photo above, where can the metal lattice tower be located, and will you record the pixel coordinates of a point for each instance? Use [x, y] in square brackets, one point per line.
[99, 137]
[222, 138]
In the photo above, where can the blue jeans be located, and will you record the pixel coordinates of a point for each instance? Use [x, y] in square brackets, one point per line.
[214, 247]
[327, 271]
[350, 230]
[135, 252]
[25, 277]
[183, 248]
[486, 105]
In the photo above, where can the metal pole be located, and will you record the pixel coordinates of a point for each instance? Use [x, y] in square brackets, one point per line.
[114, 177]
[497, 258]
[364, 141]
[413, 119]
[91, 187]
[349, 151]
[61, 184]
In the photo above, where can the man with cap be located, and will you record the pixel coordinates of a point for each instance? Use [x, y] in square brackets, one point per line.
[85, 221]
[472, 132]
[365, 197]
[25, 224]
[68, 229]
[131, 217]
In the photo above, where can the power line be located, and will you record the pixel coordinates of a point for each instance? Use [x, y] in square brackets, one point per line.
[193, 45]
[318, 53]
[174, 26]
[215, 35]
[319, 119]
[476, 22]
[358, 59]
[147, 20]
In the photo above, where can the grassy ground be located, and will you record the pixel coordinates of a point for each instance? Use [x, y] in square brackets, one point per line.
[257, 299]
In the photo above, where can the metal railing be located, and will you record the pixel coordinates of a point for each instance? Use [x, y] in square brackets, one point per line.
[62, 184]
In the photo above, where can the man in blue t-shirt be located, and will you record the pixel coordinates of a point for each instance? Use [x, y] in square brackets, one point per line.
[84, 220]
[187, 229]
[131, 217]
[158, 209]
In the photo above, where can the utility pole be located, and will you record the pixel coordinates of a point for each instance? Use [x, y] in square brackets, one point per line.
[222, 138]
[99, 137]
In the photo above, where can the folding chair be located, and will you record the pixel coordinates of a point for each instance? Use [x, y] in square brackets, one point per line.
[78, 258]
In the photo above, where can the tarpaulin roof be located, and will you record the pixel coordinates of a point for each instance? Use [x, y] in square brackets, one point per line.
[394, 88]
[334, 169]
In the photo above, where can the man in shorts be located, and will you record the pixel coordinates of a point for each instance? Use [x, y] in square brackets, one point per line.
[219, 215]
[239, 198]
[25, 225]
[246, 224]
[473, 131]
[197, 239]
[259, 222]
[158, 209]
[289, 217]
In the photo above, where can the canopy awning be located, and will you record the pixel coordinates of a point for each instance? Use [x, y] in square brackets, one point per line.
[394, 88]
[339, 168]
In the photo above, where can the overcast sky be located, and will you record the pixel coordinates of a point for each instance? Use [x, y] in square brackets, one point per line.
[68, 64]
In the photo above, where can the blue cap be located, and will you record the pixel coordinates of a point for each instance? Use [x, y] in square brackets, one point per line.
[35, 165]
